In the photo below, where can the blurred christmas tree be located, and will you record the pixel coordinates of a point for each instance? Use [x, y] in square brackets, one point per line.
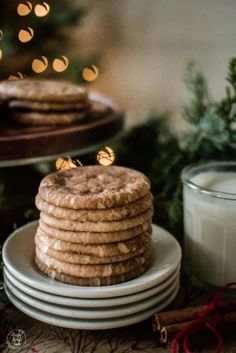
[52, 36]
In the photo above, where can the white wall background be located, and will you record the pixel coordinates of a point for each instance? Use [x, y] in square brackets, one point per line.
[145, 46]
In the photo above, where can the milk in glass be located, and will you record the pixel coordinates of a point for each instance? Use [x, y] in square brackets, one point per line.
[210, 227]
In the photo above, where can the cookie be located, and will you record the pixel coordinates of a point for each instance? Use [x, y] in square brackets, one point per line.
[94, 187]
[43, 90]
[94, 237]
[83, 259]
[113, 214]
[108, 226]
[107, 250]
[20, 105]
[45, 118]
[95, 281]
[89, 271]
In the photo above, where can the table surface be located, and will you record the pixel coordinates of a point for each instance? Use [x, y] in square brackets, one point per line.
[43, 338]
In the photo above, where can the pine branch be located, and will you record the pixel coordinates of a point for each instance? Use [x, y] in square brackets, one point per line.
[200, 100]
[153, 149]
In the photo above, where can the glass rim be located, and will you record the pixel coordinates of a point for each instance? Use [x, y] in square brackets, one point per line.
[189, 170]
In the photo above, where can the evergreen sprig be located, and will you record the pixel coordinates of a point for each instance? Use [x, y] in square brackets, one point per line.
[200, 100]
[155, 150]
[212, 134]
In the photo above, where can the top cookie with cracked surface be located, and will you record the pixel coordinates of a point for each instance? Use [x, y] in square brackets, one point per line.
[94, 187]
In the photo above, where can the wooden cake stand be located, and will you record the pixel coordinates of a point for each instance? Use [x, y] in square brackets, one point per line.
[21, 145]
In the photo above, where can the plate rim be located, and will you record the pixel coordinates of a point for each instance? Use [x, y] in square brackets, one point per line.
[92, 302]
[84, 313]
[102, 324]
[94, 292]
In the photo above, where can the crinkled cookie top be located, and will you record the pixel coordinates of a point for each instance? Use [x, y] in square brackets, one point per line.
[93, 187]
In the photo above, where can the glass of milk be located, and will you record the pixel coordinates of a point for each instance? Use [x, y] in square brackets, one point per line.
[209, 194]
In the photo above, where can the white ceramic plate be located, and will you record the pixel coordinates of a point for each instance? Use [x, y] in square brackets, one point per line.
[18, 257]
[92, 313]
[86, 324]
[90, 303]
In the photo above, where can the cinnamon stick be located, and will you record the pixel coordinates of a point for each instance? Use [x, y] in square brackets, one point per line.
[177, 316]
[184, 315]
[227, 322]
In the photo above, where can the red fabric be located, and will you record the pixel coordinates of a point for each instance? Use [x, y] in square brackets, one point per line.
[214, 308]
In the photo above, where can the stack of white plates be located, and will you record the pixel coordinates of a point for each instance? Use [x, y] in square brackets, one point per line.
[80, 307]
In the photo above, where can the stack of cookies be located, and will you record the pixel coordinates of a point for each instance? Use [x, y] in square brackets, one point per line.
[95, 225]
[44, 102]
